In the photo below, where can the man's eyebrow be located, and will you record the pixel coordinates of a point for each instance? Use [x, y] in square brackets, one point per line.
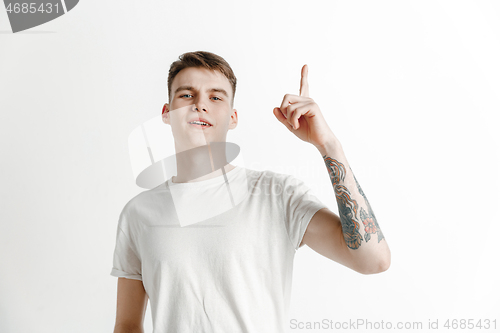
[222, 91]
[183, 88]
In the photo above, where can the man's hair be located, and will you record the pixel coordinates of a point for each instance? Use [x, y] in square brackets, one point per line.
[201, 59]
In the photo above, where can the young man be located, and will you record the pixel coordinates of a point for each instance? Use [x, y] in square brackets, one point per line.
[212, 269]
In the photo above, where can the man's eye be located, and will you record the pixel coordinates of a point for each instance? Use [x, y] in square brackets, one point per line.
[217, 98]
[184, 95]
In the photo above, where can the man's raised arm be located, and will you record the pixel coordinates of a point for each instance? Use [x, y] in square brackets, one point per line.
[354, 239]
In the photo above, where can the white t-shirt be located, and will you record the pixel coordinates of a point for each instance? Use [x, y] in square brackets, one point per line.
[211, 269]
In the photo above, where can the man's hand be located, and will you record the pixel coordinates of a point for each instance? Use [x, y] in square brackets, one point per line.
[302, 116]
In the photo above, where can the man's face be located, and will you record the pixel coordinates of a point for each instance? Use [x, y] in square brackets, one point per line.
[199, 94]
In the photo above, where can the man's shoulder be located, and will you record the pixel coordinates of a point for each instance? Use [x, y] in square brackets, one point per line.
[141, 199]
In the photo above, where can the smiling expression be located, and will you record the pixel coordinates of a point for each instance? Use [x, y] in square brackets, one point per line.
[200, 94]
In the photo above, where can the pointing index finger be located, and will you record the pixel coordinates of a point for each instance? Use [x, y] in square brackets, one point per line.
[304, 85]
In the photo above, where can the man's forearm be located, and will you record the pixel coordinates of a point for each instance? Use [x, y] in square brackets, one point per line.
[362, 233]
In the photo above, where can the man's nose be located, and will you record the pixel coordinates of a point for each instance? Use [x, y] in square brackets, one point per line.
[199, 105]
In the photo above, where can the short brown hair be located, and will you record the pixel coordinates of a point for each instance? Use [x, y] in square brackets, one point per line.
[202, 59]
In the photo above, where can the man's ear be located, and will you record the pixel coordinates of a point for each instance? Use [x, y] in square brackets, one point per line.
[233, 122]
[165, 114]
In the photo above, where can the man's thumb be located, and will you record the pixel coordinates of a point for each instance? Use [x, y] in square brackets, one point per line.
[279, 115]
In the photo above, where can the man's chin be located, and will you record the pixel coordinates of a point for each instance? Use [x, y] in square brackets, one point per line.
[193, 140]
[197, 143]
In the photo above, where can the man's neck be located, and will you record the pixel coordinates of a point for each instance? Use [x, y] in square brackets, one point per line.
[185, 178]
[198, 164]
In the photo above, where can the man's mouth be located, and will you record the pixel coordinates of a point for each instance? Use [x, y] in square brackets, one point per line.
[199, 124]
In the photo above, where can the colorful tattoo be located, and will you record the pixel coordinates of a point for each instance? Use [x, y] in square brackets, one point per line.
[348, 208]
[335, 169]
[368, 218]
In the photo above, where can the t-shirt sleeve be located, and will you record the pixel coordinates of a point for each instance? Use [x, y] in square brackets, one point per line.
[126, 258]
[300, 205]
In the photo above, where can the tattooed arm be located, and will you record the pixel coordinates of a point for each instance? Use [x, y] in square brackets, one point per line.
[354, 239]
[364, 247]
